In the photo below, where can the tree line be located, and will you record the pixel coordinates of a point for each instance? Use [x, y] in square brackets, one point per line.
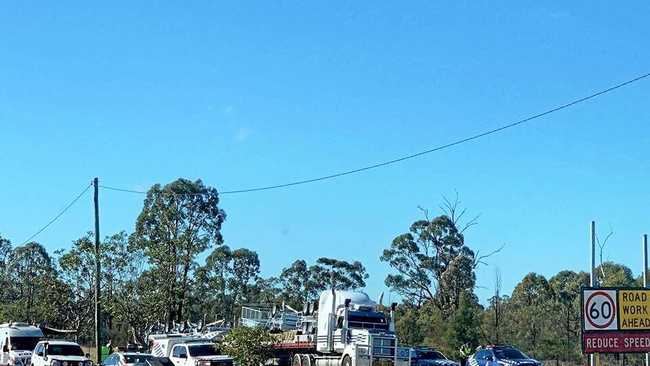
[153, 277]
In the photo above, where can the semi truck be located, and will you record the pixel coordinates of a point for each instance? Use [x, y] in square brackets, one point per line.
[344, 328]
[17, 341]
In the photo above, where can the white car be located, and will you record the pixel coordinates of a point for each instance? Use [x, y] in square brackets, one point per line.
[59, 353]
[198, 354]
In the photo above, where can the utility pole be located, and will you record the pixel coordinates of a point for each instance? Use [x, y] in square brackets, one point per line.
[98, 268]
[645, 278]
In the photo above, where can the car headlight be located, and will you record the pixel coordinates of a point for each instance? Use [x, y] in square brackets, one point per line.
[203, 363]
[87, 363]
[56, 363]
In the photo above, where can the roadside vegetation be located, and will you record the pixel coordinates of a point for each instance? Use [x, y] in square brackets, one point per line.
[153, 277]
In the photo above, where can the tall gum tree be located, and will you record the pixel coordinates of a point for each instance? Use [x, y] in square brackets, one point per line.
[178, 221]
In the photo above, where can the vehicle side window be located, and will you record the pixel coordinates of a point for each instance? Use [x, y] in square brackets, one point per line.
[179, 351]
[39, 348]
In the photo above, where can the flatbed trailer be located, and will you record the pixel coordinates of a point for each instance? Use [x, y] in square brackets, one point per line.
[348, 329]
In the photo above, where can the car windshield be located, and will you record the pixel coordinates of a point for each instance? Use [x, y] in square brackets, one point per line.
[23, 343]
[137, 359]
[429, 355]
[509, 354]
[203, 350]
[64, 350]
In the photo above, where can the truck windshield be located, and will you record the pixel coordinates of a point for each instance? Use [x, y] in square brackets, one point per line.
[23, 343]
[203, 350]
[64, 350]
[367, 320]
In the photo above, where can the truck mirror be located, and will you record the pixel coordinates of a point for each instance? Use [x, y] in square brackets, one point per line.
[347, 303]
[87, 355]
[5, 348]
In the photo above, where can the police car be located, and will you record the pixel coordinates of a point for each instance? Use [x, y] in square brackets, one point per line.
[501, 356]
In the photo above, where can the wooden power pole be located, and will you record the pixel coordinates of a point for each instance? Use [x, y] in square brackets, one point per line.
[98, 276]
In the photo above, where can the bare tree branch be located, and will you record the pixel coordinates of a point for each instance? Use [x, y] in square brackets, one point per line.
[425, 211]
[480, 259]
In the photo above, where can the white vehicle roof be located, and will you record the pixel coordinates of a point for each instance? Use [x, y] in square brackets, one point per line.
[61, 342]
[20, 330]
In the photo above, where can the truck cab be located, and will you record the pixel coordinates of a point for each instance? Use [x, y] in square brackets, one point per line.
[17, 341]
[351, 326]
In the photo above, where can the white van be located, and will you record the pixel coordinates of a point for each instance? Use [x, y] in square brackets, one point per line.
[17, 341]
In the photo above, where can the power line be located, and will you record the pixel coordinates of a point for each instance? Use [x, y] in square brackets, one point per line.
[429, 151]
[144, 192]
[66, 208]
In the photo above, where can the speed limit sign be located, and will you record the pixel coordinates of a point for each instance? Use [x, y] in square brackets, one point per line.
[600, 312]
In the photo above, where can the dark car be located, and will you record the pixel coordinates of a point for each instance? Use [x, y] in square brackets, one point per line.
[159, 361]
[501, 355]
[429, 357]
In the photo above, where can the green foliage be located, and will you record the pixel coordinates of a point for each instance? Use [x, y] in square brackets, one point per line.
[178, 222]
[613, 274]
[34, 290]
[464, 326]
[248, 346]
[300, 283]
[226, 280]
[432, 263]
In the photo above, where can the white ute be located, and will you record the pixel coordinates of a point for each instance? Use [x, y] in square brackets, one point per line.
[188, 351]
[59, 353]
[17, 341]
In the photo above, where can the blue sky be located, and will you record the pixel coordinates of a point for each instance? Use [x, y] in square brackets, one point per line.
[241, 94]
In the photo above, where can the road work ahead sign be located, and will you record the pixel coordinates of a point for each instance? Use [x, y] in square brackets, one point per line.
[615, 320]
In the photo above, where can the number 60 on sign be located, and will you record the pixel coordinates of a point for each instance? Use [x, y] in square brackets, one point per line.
[600, 312]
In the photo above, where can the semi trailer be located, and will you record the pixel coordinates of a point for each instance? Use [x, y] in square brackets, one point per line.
[345, 329]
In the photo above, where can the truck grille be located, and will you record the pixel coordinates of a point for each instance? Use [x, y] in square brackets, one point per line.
[382, 363]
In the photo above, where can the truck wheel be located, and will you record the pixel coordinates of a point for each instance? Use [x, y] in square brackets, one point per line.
[347, 361]
[297, 361]
[306, 360]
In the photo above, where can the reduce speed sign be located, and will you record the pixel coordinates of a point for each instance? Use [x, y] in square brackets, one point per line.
[600, 312]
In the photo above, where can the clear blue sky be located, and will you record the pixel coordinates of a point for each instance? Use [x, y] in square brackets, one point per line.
[254, 93]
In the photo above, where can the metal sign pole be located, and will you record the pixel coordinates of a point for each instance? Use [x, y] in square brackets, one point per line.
[592, 276]
[645, 278]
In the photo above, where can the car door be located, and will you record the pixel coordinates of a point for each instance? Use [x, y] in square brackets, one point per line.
[481, 358]
[4, 352]
[37, 356]
[110, 361]
[179, 355]
[490, 359]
